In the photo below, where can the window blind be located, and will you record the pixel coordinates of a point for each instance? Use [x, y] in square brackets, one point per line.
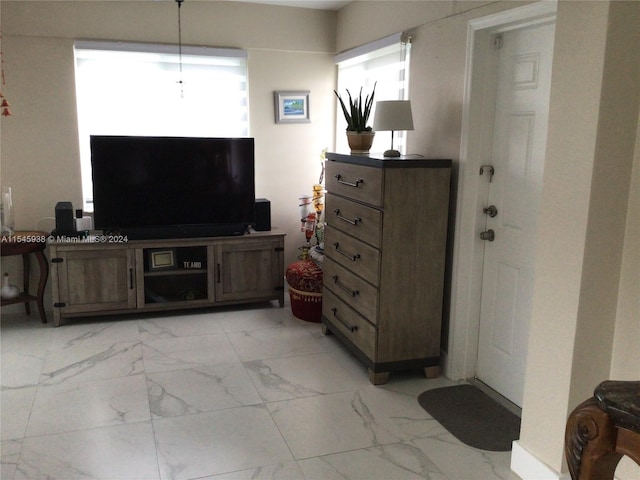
[135, 89]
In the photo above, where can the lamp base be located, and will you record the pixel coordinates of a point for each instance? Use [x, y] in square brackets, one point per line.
[392, 153]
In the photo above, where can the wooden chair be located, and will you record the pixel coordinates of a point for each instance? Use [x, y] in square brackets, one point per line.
[603, 429]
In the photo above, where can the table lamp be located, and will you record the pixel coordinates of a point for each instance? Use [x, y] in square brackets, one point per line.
[393, 115]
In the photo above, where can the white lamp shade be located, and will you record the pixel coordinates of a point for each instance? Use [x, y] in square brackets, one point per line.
[393, 115]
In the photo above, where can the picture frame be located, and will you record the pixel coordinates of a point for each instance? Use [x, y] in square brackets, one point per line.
[162, 259]
[291, 106]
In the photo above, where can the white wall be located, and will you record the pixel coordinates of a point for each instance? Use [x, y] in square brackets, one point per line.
[288, 156]
[626, 343]
[288, 48]
[592, 139]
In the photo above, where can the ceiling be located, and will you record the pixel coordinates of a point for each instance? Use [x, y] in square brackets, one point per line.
[317, 4]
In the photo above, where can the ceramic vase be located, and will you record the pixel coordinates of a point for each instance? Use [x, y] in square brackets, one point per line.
[360, 143]
[8, 291]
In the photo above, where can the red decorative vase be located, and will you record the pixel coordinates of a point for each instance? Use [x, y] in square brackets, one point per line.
[304, 278]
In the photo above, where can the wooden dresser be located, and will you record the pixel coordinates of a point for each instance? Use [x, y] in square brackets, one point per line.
[385, 246]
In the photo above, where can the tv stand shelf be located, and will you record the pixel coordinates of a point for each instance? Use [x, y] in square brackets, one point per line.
[91, 278]
[177, 272]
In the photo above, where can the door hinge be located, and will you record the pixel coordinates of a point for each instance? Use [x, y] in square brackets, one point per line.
[279, 288]
[57, 260]
[60, 305]
[278, 249]
[498, 41]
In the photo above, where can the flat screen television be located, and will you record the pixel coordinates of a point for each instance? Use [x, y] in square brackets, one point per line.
[173, 187]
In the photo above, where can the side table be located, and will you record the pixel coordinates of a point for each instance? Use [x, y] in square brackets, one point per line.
[24, 243]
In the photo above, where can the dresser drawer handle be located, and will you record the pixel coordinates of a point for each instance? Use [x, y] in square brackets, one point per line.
[353, 258]
[345, 219]
[353, 293]
[349, 184]
[351, 328]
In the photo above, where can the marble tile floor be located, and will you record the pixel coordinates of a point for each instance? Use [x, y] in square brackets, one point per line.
[237, 393]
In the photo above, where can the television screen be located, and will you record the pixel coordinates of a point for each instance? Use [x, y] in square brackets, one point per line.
[173, 186]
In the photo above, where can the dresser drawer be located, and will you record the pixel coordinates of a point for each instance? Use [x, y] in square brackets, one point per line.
[360, 332]
[355, 181]
[350, 288]
[355, 219]
[353, 254]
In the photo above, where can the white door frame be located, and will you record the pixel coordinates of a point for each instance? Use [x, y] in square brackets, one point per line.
[466, 280]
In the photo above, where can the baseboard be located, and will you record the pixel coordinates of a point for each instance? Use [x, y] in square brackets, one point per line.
[529, 467]
[444, 362]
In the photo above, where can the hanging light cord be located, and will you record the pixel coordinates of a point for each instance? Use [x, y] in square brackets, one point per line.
[179, 2]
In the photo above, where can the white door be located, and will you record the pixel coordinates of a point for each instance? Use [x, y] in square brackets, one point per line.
[519, 140]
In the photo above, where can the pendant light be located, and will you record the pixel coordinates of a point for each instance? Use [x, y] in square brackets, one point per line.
[179, 2]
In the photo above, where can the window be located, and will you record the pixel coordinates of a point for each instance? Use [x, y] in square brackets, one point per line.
[384, 63]
[143, 89]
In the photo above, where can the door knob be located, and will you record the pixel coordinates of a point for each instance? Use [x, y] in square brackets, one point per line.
[488, 235]
[491, 210]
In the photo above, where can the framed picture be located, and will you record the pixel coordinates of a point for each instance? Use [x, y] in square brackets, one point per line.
[292, 107]
[162, 259]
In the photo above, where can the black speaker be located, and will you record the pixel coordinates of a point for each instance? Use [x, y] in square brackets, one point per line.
[65, 221]
[263, 215]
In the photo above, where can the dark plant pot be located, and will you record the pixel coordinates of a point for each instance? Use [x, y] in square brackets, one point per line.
[360, 143]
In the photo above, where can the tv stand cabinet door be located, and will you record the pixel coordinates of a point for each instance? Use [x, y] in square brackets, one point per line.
[93, 280]
[250, 270]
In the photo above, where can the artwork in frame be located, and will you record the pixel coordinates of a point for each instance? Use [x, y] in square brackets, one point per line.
[292, 106]
[161, 259]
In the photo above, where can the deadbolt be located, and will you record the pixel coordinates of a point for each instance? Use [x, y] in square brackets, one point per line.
[491, 210]
[489, 235]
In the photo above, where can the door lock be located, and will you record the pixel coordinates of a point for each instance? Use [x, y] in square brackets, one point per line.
[488, 235]
[491, 210]
[489, 169]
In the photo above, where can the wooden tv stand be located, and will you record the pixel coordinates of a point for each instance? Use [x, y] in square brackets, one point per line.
[105, 275]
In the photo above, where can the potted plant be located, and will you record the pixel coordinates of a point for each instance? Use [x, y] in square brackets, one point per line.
[359, 134]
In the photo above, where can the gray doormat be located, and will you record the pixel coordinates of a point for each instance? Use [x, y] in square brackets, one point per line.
[472, 417]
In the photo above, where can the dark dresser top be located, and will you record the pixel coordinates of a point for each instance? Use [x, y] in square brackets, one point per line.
[379, 161]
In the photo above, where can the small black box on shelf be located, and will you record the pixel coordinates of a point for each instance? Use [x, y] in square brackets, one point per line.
[65, 221]
[263, 215]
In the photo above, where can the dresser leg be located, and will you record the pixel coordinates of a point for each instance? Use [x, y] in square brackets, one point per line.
[325, 330]
[432, 372]
[378, 378]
